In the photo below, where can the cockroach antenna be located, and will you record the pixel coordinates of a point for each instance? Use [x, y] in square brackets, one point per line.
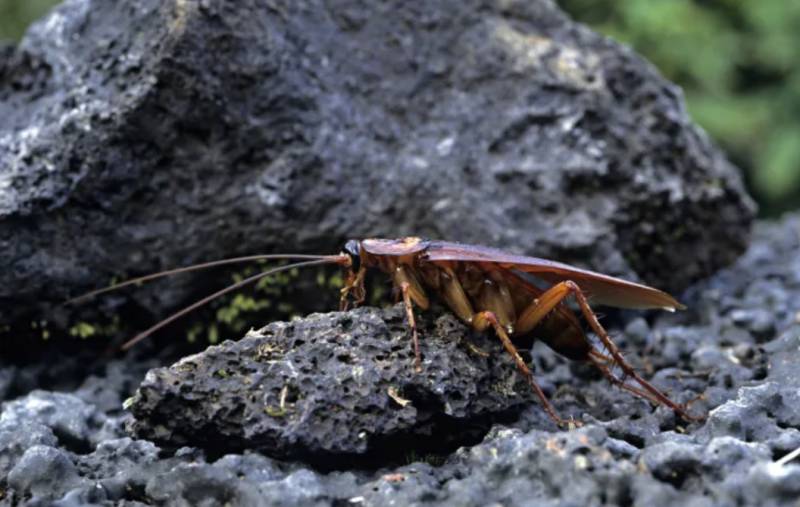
[187, 269]
[311, 260]
[238, 285]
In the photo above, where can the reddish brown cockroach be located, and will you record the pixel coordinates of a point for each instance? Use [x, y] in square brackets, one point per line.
[485, 288]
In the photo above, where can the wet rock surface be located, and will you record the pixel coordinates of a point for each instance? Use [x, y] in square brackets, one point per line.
[143, 135]
[738, 344]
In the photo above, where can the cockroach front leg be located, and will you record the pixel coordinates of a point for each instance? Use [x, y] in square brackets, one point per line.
[355, 285]
[555, 295]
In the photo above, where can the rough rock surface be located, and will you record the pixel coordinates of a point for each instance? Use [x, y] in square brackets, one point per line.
[739, 343]
[148, 134]
[335, 386]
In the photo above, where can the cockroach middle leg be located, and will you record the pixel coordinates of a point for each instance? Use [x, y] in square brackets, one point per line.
[412, 292]
[481, 321]
[412, 322]
[557, 294]
[458, 301]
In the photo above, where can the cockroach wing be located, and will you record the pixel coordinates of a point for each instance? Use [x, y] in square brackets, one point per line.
[601, 289]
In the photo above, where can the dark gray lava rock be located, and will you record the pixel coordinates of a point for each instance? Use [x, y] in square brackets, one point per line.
[337, 385]
[44, 470]
[14, 443]
[73, 421]
[139, 135]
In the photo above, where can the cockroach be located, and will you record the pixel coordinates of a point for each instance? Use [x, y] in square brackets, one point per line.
[485, 288]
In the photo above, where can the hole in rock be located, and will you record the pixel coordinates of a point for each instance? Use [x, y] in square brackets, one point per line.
[679, 474]
[71, 442]
[635, 440]
[135, 492]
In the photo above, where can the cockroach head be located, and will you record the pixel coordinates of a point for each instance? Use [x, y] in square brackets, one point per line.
[353, 250]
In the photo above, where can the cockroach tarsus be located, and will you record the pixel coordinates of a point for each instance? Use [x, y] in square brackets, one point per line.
[485, 288]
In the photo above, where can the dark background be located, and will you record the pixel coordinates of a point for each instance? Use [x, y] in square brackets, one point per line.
[734, 60]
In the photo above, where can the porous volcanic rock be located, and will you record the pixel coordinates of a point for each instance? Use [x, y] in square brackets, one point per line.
[333, 387]
[147, 134]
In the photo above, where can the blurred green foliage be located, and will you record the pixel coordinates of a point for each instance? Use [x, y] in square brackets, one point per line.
[16, 15]
[735, 59]
[739, 65]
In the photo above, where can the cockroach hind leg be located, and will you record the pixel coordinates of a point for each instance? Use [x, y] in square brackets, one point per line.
[680, 409]
[554, 296]
[598, 360]
[653, 393]
[596, 355]
[685, 407]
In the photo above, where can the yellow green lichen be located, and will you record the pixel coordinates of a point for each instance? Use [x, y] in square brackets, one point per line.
[275, 411]
[83, 330]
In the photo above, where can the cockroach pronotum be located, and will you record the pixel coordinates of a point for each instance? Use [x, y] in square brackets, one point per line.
[485, 288]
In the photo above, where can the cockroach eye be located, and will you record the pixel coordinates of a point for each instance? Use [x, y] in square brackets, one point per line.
[351, 248]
